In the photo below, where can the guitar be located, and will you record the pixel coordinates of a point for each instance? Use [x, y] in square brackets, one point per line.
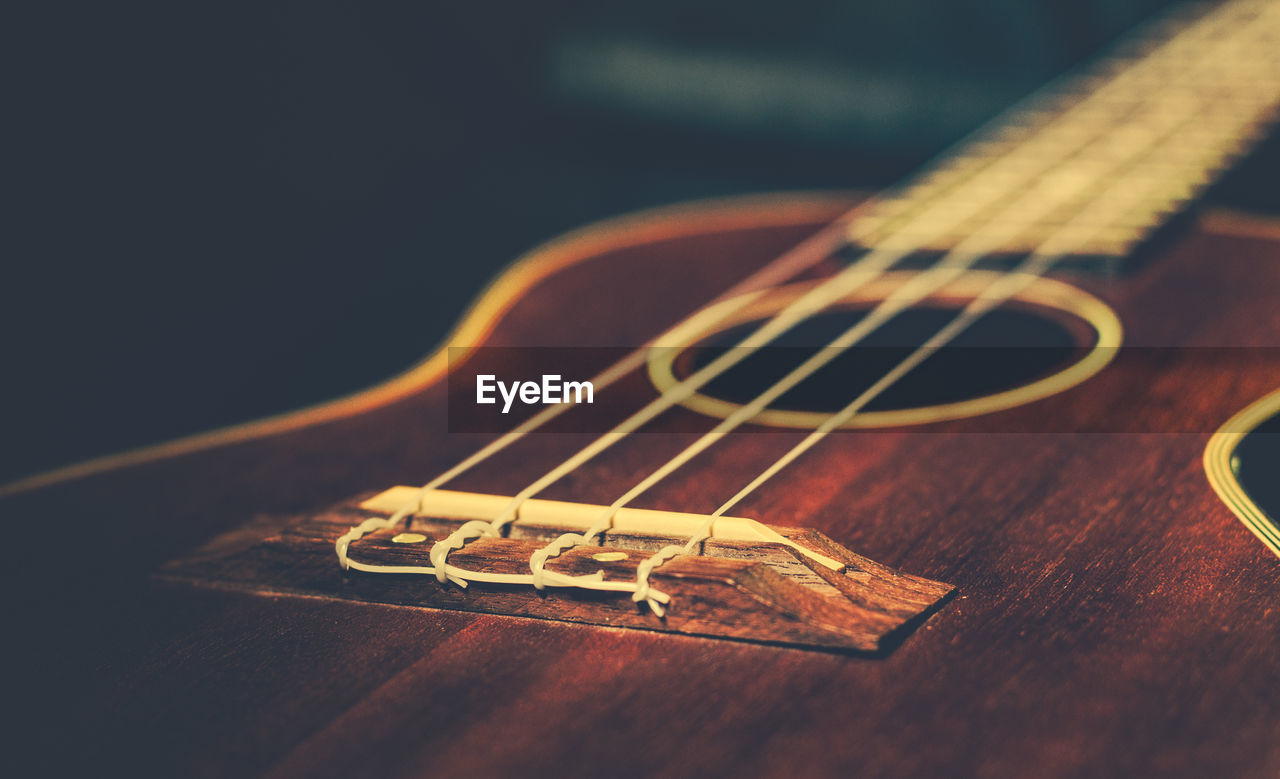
[969, 478]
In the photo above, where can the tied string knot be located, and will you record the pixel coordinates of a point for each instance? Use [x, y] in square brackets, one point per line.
[538, 561]
[643, 591]
[356, 533]
[439, 553]
[653, 598]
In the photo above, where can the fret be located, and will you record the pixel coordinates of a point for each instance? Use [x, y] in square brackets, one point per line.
[1191, 95]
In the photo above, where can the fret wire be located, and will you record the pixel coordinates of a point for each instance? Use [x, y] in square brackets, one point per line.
[1113, 102]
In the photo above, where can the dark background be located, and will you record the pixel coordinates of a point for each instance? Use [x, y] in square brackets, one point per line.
[225, 210]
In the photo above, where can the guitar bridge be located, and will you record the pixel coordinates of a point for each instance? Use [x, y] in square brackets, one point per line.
[748, 581]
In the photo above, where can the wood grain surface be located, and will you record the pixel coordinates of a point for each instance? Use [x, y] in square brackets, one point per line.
[1112, 617]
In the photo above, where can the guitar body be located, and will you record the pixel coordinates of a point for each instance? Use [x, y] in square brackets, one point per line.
[1111, 617]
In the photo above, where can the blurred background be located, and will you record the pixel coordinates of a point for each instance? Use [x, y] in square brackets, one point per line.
[226, 210]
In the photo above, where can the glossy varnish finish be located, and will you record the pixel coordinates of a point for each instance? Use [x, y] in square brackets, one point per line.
[1112, 615]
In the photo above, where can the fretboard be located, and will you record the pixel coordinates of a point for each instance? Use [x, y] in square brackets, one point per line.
[1094, 163]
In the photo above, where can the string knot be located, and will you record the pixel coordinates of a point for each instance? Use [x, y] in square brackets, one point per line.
[643, 592]
[439, 554]
[538, 561]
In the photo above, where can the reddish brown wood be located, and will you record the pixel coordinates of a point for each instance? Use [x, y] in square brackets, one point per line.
[1113, 618]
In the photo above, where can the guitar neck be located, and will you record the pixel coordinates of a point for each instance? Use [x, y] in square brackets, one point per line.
[1134, 138]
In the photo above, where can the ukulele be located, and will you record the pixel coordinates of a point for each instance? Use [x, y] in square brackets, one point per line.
[967, 478]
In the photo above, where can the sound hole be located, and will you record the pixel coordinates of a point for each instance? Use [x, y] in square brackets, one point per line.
[1008, 348]
[1256, 462]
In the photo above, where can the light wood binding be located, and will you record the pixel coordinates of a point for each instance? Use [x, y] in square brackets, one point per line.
[1222, 476]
